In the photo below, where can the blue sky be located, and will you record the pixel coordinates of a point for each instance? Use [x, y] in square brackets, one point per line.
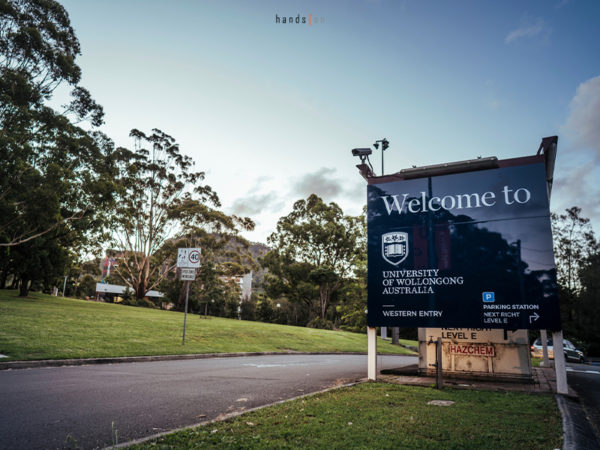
[271, 110]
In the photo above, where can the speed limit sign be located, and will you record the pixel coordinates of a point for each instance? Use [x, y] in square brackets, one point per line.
[188, 257]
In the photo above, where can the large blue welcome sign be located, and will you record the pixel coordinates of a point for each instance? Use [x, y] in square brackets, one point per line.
[465, 250]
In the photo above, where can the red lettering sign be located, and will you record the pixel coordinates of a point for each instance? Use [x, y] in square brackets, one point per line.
[471, 350]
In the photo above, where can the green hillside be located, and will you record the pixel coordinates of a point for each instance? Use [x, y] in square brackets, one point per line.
[46, 327]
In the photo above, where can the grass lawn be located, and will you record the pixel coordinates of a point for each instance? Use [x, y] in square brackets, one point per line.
[46, 327]
[378, 415]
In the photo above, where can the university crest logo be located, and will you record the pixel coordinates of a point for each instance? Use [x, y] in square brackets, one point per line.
[394, 247]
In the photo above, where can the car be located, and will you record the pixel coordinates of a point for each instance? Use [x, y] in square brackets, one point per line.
[571, 352]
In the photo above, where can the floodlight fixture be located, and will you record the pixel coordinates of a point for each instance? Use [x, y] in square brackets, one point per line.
[384, 145]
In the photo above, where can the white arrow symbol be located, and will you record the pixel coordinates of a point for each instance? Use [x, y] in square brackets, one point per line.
[534, 317]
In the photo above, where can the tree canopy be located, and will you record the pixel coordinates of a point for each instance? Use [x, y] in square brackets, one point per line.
[574, 243]
[162, 202]
[577, 255]
[315, 248]
[55, 176]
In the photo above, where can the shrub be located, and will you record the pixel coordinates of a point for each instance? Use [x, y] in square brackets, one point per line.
[322, 324]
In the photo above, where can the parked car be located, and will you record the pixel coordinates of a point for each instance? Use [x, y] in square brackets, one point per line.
[571, 352]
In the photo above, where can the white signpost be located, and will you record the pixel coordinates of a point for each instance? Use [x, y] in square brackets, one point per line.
[188, 260]
[188, 257]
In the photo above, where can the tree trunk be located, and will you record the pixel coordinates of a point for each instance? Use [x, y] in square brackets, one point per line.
[323, 297]
[3, 278]
[24, 287]
[144, 278]
[140, 292]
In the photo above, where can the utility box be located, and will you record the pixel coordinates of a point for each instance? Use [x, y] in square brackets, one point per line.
[477, 353]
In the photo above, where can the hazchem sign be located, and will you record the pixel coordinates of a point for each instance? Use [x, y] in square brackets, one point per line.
[471, 349]
[471, 250]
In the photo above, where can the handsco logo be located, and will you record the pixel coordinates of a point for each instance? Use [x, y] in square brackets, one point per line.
[309, 20]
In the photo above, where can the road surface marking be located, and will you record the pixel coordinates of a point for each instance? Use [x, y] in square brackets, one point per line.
[570, 369]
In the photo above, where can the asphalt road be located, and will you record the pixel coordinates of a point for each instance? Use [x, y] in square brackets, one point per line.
[97, 406]
[585, 380]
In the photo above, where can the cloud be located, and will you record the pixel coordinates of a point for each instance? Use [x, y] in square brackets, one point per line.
[266, 206]
[578, 183]
[583, 123]
[577, 187]
[527, 29]
[254, 204]
[321, 182]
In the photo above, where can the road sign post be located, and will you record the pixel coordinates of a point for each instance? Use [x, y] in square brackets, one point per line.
[188, 260]
[187, 293]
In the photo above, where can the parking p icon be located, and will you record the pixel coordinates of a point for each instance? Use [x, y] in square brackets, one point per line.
[488, 297]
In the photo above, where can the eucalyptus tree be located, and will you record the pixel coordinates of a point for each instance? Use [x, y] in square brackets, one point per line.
[162, 204]
[576, 251]
[41, 149]
[55, 175]
[574, 243]
[315, 249]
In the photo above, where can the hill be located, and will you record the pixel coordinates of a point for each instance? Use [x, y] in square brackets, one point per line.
[46, 327]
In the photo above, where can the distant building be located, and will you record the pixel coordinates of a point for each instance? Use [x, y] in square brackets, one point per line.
[244, 282]
[116, 291]
[111, 261]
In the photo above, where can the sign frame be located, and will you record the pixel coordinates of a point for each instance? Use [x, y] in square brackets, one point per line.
[494, 311]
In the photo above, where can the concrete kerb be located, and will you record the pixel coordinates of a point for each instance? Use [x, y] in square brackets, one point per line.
[578, 430]
[129, 359]
[224, 417]
[567, 424]
[570, 435]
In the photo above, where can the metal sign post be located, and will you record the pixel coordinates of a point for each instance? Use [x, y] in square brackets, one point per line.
[439, 382]
[188, 259]
[187, 293]
[372, 353]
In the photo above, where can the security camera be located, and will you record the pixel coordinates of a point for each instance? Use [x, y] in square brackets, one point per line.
[362, 152]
